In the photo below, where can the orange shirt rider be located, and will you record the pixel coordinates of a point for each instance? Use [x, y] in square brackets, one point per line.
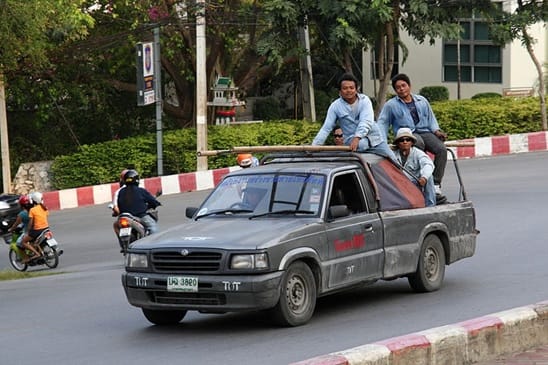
[38, 220]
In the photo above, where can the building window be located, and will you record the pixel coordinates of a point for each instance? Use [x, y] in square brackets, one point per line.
[480, 58]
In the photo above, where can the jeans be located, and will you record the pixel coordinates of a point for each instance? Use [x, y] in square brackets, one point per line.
[428, 142]
[429, 192]
[381, 149]
[149, 223]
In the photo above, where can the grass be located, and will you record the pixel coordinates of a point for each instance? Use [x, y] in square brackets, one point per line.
[15, 275]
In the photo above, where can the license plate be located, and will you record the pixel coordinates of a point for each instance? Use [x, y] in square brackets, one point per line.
[125, 232]
[52, 242]
[182, 283]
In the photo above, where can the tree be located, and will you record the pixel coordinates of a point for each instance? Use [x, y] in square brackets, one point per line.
[233, 29]
[29, 31]
[422, 20]
[515, 25]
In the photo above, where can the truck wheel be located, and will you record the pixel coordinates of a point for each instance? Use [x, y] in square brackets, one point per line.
[298, 296]
[164, 318]
[431, 266]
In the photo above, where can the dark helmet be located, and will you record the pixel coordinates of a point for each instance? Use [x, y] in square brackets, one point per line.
[131, 177]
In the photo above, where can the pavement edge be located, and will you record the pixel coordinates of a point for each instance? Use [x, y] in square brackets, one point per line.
[468, 342]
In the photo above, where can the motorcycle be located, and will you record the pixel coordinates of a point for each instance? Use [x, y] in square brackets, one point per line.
[45, 241]
[130, 228]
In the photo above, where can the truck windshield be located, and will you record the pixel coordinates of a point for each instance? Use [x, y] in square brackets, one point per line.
[261, 194]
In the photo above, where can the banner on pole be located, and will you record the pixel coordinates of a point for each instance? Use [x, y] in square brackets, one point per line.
[145, 74]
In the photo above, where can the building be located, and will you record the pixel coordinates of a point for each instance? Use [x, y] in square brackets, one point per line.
[485, 67]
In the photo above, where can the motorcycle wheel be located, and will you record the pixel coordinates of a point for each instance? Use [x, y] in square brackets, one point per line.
[16, 261]
[51, 258]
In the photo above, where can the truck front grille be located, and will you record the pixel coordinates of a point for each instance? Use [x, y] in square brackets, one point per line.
[185, 261]
[165, 297]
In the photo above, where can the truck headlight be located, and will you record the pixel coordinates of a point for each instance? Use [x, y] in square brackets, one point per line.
[135, 260]
[249, 261]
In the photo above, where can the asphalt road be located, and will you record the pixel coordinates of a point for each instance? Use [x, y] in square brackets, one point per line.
[82, 317]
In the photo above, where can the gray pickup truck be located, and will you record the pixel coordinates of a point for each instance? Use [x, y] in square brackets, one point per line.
[299, 226]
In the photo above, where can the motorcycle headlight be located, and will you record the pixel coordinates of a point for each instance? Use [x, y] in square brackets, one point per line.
[249, 261]
[136, 260]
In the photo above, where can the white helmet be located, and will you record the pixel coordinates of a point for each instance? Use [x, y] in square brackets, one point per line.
[36, 197]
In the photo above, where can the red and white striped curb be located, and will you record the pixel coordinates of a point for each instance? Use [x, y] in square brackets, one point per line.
[201, 180]
[100, 194]
[502, 145]
[467, 342]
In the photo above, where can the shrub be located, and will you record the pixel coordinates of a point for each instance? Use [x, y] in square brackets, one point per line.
[486, 95]
[102, 163]
[435, 93]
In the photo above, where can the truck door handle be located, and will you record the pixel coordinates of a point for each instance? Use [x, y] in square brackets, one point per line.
[367, 227]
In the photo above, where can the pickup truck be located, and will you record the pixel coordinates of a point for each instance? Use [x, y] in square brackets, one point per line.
[300, 226]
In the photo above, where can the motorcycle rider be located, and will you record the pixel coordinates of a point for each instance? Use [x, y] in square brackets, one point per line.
[22, 221]
[38, 222]
[135, 200]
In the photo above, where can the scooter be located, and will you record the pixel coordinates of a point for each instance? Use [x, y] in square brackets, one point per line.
[45, 241]
[130, 228]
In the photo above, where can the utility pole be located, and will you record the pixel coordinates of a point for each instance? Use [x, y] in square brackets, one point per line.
[158, 92]
[4, 141]
[307, 84]
[201, 85]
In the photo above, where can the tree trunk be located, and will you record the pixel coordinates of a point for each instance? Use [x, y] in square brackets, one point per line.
[5, 148]
[387, 47]
[542, 88]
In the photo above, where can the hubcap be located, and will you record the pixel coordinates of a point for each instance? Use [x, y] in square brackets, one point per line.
[296, 293]
[431, 263]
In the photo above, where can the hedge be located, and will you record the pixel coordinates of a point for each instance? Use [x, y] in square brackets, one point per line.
[101, 163]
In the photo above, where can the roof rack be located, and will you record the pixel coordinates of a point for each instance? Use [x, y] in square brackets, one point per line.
[302, 148]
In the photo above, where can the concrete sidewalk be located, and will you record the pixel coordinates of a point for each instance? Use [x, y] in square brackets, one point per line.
[535, 356]
[503, 336]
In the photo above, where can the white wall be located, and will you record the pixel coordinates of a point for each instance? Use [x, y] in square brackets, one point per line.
[424, 66]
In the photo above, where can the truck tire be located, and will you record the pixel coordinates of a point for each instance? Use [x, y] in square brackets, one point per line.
[297, 296]
[431, 266]
[164, 318]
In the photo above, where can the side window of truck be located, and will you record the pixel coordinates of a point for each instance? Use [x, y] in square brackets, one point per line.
[346, 190]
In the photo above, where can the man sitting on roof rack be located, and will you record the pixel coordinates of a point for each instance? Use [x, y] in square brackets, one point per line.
[354, 113]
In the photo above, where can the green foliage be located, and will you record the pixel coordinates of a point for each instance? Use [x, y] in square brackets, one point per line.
[34, 28]
[102, 163]
[486, 95]
[435, 93]
[464, 119]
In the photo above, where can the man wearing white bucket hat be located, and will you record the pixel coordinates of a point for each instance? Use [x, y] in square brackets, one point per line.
[416, 164]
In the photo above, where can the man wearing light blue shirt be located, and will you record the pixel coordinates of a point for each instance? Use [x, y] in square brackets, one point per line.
[407, 110]
[353, 112]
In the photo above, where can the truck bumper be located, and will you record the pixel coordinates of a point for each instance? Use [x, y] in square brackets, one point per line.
[217, 293]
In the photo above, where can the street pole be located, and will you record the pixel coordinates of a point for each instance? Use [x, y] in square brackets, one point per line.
[158, 92]
[201, 85]
[6, 173]
[307, 85]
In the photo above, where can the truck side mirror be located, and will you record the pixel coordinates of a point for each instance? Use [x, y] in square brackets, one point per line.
[190, 211]
[338, 211]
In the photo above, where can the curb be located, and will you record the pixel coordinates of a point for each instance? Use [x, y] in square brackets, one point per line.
[202, 180]
[467, 342]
